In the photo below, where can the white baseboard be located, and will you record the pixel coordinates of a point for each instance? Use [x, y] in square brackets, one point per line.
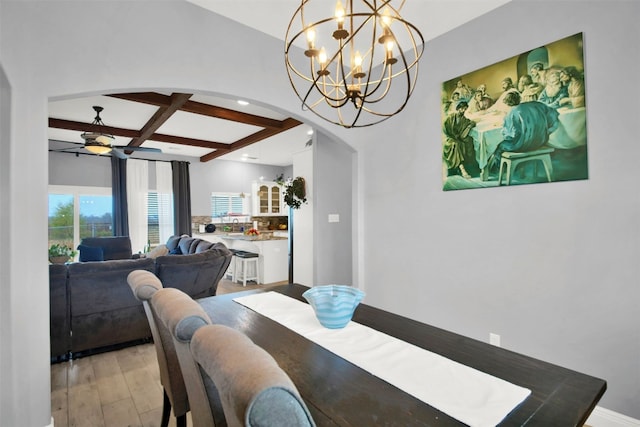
[50, 425]
[601, 417]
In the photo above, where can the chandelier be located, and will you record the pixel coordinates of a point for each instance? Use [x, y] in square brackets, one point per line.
[98, 142]
[357, 67]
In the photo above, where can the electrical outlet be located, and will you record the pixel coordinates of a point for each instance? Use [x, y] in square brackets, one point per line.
[494, 339]
[334, 217]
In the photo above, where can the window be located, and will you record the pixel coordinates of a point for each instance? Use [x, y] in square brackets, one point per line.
[223, 204]
[77, 212]
[160, 217]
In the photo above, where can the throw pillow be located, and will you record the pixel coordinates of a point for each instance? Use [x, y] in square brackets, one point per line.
[160, 250]
[175, 251]
[172, 243]
[185, 245]
[90, 253]
[203, 245]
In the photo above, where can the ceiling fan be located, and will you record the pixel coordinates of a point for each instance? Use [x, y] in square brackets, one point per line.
[102, 143]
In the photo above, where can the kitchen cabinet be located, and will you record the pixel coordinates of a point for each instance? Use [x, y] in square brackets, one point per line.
[268, 199]
[273, 264]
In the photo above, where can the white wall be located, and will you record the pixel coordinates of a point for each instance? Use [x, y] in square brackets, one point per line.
[227, 176]
[304, 245]
[566, 292]
[51, 50]
[552, 268]
[332, 175]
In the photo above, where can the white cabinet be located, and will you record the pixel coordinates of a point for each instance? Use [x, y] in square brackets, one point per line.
[268, 199]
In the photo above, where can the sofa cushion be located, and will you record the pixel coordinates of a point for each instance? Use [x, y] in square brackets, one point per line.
[175, 251]
[159, 250]
[90, 253]
[197, 274]
[185, 245]
[113, 247]
[202, 246]
[172, 243]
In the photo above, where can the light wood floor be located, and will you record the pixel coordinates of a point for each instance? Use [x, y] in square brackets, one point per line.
[119, 388]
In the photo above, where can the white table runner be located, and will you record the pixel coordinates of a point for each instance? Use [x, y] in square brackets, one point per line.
[466, 394]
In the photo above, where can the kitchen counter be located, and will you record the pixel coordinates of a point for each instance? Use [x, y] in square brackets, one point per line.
[273, 251]
[238, 235]
[242, 236]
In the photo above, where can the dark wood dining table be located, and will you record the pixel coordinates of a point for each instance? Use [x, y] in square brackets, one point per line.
[339, 393]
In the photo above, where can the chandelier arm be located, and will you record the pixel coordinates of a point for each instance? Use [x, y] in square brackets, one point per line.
[340, 83]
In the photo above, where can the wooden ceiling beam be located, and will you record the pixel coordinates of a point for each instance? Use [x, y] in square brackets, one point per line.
[158, 99]
[88, 127]
[128, 133]
[159, 118]
[231, 115]
[252, 139]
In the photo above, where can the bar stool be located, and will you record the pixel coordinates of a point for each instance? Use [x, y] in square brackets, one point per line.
[229, 274]
[242, 264]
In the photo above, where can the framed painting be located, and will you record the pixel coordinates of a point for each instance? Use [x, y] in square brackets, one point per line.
[519, 121]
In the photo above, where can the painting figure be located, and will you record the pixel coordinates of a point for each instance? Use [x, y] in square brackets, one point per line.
[458, 148]
[572, 80]
[526, 127]
[539, 105]
[553, 91]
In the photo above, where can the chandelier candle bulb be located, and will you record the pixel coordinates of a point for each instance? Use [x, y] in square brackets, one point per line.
[353, 85]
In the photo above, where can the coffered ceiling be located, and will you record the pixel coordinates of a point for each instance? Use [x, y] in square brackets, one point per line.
[193, 125]
[207, 127]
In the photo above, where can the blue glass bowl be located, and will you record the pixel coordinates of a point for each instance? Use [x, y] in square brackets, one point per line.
[333, 304]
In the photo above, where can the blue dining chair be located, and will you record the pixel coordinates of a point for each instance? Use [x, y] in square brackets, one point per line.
[144, 285]
[253, 390]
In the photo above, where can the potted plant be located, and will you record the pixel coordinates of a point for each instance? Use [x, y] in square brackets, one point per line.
[295, 193]
[60, 253]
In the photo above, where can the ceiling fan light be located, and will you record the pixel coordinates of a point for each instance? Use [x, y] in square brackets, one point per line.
[97, 148]
[104, 139]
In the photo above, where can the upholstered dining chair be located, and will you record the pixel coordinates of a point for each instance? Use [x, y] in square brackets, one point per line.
[253, 389]
[144, 285]
[182, 317]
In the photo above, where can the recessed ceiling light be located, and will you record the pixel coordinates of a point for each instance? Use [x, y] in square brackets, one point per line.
[243, 103]
[310, 132]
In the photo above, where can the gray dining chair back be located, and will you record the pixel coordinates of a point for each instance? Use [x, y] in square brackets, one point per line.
[253, 389]
[144, 285]
[182, 317]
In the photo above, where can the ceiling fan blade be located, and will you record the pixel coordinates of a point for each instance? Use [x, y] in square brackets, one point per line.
[127, 148]
[65, 149]
[119, 154]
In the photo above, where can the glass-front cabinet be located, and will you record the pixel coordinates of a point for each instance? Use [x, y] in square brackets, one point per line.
[268, 199]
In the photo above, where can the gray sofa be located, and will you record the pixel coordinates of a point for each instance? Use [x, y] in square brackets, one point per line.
[93, 308]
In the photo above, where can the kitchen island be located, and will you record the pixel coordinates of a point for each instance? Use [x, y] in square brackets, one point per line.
[273, 265]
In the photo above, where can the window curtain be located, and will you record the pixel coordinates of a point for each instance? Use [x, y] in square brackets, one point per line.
[181, 197]
[120, 218]
[164, 187]
[137, 190]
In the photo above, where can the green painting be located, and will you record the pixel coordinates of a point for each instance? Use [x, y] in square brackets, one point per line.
[519, 121]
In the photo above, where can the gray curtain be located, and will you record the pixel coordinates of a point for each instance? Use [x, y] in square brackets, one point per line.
[181, 198]
[120, 221]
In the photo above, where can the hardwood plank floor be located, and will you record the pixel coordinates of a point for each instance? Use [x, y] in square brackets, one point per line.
[115, 389]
